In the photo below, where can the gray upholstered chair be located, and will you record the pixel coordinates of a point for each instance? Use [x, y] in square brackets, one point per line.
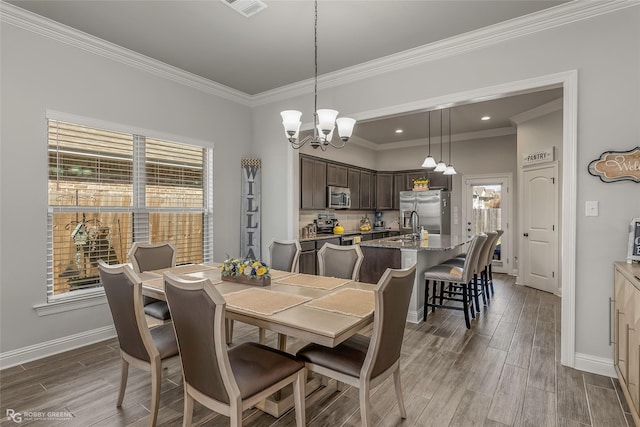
[459, 282]
[340, 261]
[365, 362]
[225, 380]
[139, 346]
[284, 255]
[153, 256]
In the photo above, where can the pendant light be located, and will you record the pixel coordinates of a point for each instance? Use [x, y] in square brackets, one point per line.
[450, 170]
[429, 162]
[325, 119]
[441, 166]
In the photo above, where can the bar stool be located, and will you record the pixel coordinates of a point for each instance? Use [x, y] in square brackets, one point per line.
[489, 272]
[459, 282]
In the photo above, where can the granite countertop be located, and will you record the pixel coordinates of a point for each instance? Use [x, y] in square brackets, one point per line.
[436, 242]
[347, 234]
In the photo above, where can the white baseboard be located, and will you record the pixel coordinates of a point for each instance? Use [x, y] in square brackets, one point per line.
[59, 345]
[415, 316]
[595, 365]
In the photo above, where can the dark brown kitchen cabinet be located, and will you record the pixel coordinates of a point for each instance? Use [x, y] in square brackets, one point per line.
[411, 175]
[439, 181]
[336, 175]
[353, 182]
[384, 191]
[313, 184]
[367, 190]
[399, 184]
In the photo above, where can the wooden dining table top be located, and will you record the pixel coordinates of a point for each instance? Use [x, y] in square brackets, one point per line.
[318, 309]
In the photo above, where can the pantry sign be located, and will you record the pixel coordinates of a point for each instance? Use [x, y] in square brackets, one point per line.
[541, 156]
[617, 166]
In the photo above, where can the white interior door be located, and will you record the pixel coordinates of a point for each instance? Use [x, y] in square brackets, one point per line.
[540, 229]
[487, 207]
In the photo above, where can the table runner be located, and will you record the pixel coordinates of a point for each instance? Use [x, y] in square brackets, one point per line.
[352, 302]
[262, 301]
[321, 282]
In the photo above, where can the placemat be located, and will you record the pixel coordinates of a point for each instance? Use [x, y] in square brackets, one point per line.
[185, 269]
[279, 274]
[321, 282]
[353, 302]
[262, 301]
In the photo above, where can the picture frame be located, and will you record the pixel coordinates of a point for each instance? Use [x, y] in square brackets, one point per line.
[634, 241]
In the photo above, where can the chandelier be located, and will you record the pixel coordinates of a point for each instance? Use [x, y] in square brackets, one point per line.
[325, 120]
[429, 161]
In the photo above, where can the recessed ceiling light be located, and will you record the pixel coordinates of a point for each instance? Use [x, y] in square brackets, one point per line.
[399, 131]
[485, 118]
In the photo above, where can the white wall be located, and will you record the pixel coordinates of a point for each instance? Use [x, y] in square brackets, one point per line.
[39, 73]
[606, 53]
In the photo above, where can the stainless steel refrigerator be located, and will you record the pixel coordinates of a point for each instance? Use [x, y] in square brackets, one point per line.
[432, 206]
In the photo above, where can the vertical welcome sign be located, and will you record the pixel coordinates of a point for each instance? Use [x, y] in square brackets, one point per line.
[250, 235]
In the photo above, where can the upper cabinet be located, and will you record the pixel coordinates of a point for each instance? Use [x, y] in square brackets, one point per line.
[337, 175]
[367, 190]
[313, 184]
[353, 182]
[384, 190]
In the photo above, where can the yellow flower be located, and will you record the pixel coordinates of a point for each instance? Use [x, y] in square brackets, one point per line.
[260, 271]
[240, 268]
[255, 264]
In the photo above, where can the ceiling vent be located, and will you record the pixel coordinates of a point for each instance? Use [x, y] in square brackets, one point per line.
[246, 7]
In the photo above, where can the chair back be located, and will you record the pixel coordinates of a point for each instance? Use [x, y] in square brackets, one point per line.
[152, 256]
[392, 295]
[484, 253]
[124, 295]
[198, 312]
[473, 253]
[340, 261]
[499, 233]
[284, 255]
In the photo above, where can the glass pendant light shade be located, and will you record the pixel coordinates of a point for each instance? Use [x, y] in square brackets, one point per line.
[429, 162]
[449, 170]
[291, 122]
[326, 120]
[345, 127]
[440, 167]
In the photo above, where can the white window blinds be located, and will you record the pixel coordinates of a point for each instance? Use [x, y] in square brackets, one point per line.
[108, 189]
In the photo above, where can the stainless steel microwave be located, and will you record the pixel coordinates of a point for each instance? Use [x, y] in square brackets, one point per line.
[338, 197]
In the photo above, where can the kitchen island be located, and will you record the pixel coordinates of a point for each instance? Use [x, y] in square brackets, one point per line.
[402, 252]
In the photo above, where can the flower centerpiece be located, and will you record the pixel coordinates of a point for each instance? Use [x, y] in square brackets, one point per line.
[247, 271]
[420, 184]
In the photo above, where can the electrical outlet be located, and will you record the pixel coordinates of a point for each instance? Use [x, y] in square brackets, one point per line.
[591, 208]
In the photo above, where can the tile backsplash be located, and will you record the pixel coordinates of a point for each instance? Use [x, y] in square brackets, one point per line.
[350, 220]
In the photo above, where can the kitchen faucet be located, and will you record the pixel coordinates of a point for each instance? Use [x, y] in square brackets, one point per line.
[415, 224]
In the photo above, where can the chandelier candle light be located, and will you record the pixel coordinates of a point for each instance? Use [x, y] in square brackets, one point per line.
[429, 161]
[325, 119]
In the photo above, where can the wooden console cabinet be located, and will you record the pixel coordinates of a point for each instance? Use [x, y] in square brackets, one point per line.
[626, 333]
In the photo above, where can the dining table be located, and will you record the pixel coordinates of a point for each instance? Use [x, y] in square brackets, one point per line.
[322, 310]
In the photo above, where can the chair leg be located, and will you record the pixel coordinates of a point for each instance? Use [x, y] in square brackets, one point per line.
[235, 414]
[123, 382]
[435, 295]
[491, 278]
[261, 335]
[480, 286]
[156, 379]
[465, 307]
[298, 397]
[474, 285]
[396, 381]
[282, 342]
[472, 307]
[426, 300]
[441, 292]
[365, 412]
[188, 409]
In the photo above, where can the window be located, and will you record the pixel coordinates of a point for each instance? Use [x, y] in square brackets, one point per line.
[108, 189]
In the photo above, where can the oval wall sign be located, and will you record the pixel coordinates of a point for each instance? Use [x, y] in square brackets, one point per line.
[617, 166]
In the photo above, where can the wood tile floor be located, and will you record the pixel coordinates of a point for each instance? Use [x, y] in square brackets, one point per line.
[505, 371]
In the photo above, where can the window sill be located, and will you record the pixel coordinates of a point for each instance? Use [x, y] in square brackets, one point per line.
[78, 300]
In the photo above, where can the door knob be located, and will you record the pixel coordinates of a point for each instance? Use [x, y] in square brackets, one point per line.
[526, 234]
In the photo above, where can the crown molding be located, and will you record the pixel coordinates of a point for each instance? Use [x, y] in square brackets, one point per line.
[539, 111]
[489, 133]
[563, 14]
[29, 21]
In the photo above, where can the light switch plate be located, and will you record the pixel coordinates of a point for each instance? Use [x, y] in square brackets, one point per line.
[591, 208]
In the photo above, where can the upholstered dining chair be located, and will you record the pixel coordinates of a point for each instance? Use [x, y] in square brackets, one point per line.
[340, 261]
[489, 271]
[139, 346]
[225, 380]
[284, 255]
[153, 256]
[365, 362]
[458, 280]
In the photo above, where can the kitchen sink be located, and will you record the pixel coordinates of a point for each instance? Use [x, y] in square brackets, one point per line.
[403, 239]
